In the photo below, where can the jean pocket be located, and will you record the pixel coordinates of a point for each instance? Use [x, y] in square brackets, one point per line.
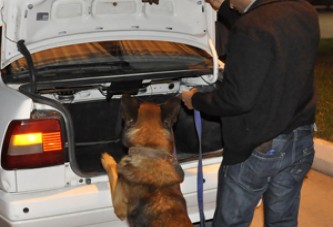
[257, 170]
[303, 165]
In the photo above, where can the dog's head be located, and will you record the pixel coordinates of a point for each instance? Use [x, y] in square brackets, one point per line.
[149, 124]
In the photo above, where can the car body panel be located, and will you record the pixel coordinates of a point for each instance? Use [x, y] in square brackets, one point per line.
[17, 106]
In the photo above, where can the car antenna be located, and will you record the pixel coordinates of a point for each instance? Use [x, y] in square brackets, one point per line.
[22, 48]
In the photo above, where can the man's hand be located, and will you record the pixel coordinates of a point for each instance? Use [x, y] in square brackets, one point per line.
[215, 3]
[187, 97]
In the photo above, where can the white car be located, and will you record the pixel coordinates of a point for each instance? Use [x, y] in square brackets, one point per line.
[64, 66]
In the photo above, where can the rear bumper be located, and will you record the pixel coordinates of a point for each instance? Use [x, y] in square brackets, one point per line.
[76, 207]
[90, 205]
[97, 218]
[79, 206]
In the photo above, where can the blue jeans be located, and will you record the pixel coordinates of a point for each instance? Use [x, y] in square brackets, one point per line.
[276, 174]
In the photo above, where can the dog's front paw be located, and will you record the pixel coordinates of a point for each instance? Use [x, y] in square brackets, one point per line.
[108, 161]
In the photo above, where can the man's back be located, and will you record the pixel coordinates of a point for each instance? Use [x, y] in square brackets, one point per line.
[270, 59]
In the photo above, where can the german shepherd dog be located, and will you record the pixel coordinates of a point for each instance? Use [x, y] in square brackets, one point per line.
[145, 184]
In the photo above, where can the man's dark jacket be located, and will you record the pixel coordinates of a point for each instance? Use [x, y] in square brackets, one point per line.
[268, 78]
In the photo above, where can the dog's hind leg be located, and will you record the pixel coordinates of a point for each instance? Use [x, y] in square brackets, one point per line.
[117, 194]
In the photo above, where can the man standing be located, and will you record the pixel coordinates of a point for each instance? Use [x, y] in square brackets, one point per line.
[266, 102]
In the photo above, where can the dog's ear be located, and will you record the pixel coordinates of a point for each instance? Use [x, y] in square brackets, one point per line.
[129, 109]
[169, 111]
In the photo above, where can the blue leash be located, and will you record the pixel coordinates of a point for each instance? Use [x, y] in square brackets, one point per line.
[198, 126]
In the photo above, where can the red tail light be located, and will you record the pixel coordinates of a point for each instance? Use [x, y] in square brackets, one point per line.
[32, 144]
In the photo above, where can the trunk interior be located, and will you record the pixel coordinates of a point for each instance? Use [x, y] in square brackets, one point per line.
[98, 129]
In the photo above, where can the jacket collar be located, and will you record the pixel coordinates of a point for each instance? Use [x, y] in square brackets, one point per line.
[259, 3]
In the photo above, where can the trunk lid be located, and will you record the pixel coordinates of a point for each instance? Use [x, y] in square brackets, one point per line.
[45, 24]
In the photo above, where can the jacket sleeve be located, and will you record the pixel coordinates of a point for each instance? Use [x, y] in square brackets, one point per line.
[246, 67]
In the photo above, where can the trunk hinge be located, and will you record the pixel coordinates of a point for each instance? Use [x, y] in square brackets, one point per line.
[22, 48]
[215, 62]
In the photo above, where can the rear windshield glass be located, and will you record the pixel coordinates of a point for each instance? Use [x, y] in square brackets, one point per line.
[110, 58]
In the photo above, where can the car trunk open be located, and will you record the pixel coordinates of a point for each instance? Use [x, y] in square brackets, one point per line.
[85, 91]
